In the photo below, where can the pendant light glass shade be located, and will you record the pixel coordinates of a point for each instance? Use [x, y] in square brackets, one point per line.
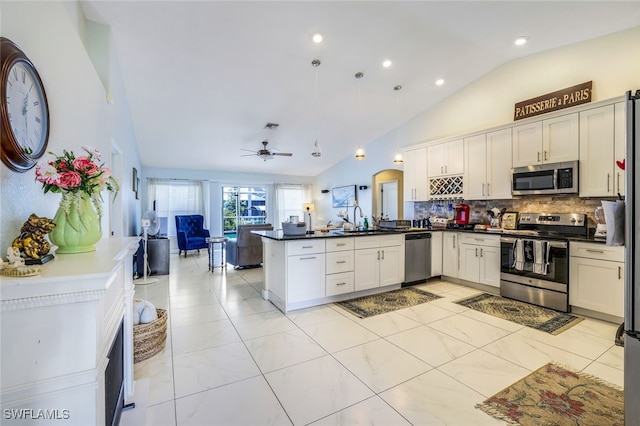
[397, 159]
[360, 154]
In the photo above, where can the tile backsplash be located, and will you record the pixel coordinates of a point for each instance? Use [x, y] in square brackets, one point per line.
[527, 204]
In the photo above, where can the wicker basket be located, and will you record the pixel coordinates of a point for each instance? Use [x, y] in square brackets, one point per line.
[150, 338]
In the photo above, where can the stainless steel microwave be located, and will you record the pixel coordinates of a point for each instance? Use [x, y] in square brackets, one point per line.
[553, 178]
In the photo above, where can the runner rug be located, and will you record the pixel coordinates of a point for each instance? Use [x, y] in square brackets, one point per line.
[555, 395]
[381, 303]
[533, 316]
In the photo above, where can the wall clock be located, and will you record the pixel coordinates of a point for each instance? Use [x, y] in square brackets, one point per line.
[24, 112]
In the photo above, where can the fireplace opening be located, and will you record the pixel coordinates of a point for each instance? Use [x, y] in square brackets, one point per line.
[114, 380]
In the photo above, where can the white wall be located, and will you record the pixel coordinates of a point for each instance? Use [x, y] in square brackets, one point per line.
[50, 33]
[611, 62]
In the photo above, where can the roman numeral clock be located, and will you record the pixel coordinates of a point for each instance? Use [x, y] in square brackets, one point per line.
[24, 112]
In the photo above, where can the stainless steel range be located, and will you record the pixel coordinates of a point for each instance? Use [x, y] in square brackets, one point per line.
[535, 258]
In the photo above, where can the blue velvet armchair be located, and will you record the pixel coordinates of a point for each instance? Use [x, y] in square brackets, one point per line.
[191, 233]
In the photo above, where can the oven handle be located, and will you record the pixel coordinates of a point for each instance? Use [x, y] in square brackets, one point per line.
[556, 244]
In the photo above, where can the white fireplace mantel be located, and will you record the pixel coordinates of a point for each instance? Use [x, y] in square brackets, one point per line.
[56, 331]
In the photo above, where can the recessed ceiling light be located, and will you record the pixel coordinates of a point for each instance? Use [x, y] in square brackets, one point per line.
[439, 82]
[386, 63]
[521, 40]
[317, 38]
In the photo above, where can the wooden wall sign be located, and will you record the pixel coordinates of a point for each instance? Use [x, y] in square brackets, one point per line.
[565, 98]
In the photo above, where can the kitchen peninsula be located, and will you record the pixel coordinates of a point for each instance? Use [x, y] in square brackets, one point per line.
[308, 270]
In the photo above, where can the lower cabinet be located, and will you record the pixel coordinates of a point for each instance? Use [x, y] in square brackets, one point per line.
[480, 259]
[436, 253]
[450, 254]
[305, 270]
[596, 278]
[340, 266]
[379, 261]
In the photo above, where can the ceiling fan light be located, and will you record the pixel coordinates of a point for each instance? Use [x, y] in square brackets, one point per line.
[317, 152]
[360, 154]
[397, 159]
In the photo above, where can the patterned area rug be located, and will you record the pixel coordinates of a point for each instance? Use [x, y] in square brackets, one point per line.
[555, 395]
[381, 303]
[533, 316]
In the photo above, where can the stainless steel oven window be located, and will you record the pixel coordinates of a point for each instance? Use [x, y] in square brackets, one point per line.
[558, 270]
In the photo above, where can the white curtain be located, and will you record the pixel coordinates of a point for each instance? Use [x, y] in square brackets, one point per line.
[289, 200]
[172, 197]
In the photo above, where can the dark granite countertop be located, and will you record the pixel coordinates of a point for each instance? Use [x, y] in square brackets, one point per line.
[335, 233]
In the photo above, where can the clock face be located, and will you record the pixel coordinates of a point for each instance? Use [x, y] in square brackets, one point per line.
[26, 111]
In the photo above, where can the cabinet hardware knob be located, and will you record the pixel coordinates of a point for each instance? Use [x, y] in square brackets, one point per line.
[538, 157]
[608, 182]
[619, 272]
[476, 251]
[306, 247]
[341, 283]
[594, 251]
[545, 155]
[341, 261]
[307, 258]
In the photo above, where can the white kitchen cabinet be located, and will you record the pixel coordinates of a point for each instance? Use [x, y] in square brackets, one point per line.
[596, 278]
[620, 149]
[450, 254]
[436, 253]
[446, 159]
[597, 145]
[340, 266]
[547, 141]
[306, 271]
[415, 174]
[488, 166]
[480, 259]
[378, 261]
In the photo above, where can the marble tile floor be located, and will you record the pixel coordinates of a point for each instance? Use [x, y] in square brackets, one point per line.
[232, 358]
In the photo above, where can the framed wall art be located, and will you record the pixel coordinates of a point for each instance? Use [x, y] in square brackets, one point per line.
[343, 196]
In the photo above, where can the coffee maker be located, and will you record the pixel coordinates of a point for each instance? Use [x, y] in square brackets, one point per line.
[462, 214]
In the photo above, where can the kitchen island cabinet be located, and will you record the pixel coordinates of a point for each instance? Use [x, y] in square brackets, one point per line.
[307, 271]
[596, 278]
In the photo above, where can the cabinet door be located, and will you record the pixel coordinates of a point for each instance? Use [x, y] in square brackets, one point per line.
[454, 158]
[469, 262]
[420, 175]
[475, 167]
[620, 150]
[596, 152]
[450, 254]
[305, 277]
[490, 266]
[597, 285]
[409, 172]
[527, 144]
[435, 160]
[367, 268]
[560, 139]
[391, 265]
[498, 165]
[436, 254]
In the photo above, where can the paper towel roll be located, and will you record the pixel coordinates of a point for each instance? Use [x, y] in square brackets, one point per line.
[614, 218]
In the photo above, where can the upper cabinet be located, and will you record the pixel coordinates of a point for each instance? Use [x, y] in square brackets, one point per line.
[548, 141]
[415, 174]
[602, 146]
[487, 166]
[446, 159]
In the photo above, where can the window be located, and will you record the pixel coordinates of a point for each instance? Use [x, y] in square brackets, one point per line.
[242, 205]
[289, 201]
[175, 197]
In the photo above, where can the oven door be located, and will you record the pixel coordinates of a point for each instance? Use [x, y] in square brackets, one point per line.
[557, 276]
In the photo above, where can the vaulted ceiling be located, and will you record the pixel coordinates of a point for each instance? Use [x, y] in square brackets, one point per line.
[202, 78]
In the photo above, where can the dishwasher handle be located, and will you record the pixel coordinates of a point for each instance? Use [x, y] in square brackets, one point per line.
[417, 236]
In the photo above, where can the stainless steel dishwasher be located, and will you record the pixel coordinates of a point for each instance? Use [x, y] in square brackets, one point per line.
[417, 257]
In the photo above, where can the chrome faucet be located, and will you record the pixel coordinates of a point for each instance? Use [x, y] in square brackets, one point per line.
[354, 213]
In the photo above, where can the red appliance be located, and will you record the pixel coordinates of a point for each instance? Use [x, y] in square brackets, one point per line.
[462, 214]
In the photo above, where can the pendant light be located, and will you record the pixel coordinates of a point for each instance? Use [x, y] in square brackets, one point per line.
[360, 154]
[397, 159]
[317, 152]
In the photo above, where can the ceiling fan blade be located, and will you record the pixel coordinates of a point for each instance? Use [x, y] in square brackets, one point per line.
[248, 150]
[248, 155]
[284, 154]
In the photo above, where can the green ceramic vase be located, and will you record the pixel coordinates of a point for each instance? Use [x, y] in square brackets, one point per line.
[77, 226]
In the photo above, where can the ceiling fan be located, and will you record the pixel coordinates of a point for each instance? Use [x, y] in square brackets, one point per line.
[266, 154]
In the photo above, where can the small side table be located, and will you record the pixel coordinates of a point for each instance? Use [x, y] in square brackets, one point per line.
[212, 241]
